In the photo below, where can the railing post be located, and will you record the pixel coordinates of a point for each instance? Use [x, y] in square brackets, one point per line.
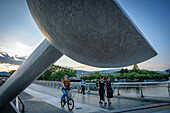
[117, 90]
[78, 88]
[141, 92]
[88, 88]
[17, 102]
[53, 85]
[169, 89]
[23, 107]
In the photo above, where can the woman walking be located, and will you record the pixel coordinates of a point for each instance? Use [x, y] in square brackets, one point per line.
[102, 91]
[109, 89]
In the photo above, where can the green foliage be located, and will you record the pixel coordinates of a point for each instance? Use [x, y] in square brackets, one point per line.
[12, 71]
[166, 76]
[56, 73]
[124, 71]
[141, 75]
[97, 75]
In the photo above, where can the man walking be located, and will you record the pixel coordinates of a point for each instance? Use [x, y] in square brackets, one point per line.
[82, 83]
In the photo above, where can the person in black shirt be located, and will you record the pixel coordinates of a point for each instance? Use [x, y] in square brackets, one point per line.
[102, 90]
[109, 89]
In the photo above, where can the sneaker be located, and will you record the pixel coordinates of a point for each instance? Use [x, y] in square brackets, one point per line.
[105, 103]
[69, 103]
[100, 102]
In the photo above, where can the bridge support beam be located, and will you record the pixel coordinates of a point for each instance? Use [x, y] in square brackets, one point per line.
[40, 60]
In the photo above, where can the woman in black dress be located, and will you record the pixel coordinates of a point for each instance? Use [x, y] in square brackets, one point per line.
[109, 89]
[101, 90]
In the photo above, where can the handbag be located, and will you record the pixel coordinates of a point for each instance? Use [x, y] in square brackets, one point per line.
[110, 91]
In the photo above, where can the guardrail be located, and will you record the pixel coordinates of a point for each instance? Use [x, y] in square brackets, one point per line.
[19, 104]
[140, 87]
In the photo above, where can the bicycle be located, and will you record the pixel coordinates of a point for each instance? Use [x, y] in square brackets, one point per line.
[69, 103]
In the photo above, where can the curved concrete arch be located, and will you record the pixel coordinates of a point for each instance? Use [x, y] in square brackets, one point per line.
[93, 32]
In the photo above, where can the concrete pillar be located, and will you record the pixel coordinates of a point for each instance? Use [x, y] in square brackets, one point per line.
[40, 60]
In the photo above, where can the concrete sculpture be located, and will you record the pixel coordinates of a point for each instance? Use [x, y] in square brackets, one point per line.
[93, 32]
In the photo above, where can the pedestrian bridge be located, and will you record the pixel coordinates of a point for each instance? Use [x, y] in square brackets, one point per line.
[39, 98]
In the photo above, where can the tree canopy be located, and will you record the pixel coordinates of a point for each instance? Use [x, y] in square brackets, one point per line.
[56, 73]
[133, 75]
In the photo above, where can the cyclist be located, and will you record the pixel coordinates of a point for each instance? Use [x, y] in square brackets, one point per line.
[65, 88]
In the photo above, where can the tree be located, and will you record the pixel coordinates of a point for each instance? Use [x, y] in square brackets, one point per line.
[46, 75]
[57, 73]
[11, 72]
[135, 68]
[124, 71]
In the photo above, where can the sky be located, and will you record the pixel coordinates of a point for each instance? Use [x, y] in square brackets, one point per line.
[19, 35]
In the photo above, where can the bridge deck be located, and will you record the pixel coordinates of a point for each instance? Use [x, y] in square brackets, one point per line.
[49, 100]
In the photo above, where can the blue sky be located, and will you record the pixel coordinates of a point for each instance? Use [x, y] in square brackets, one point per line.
[19, 35]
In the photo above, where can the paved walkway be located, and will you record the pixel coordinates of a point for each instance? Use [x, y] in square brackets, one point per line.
[89, 103]
[34, 105]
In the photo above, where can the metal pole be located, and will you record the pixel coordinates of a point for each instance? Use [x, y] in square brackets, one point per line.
[88, 88]
[17, 102]
[169, 89]
[117, 90]
[141, 92]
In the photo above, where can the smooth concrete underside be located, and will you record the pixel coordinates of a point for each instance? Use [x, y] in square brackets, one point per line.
[93, 32]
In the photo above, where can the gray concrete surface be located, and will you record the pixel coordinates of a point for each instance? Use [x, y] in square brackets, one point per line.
[34, 105]
[43, 57]
[93, 32]
[8, 109]
[151, 110]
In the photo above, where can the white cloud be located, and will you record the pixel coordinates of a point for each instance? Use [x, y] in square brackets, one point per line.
[17, 48]
[8, 67]
[68, 62]
[160, 67]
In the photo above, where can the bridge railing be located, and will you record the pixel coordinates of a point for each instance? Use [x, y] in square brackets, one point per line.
[18, 105]
[130, 89]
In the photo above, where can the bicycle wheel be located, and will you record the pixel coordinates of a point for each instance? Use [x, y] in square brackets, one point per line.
[70, 104]
[63, 103]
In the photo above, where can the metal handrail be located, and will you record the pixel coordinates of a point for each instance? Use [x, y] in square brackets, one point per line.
[17, 104]
[115, 82]
[142, 86]
[116, 85]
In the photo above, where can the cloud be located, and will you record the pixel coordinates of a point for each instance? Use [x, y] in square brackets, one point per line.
[16, 48]
[14, 60]
[160, 67]
[8, 67]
